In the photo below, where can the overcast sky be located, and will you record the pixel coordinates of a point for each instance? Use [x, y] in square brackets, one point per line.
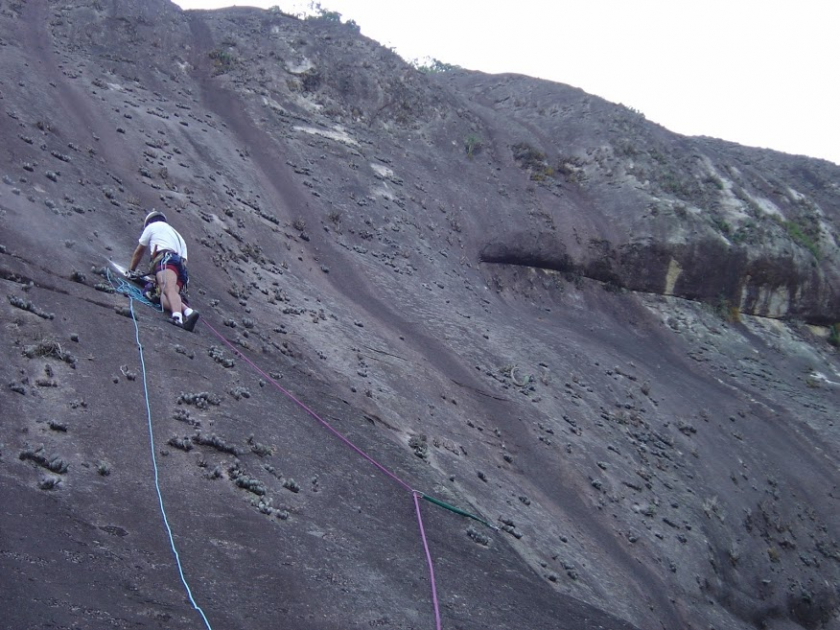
[758, 72]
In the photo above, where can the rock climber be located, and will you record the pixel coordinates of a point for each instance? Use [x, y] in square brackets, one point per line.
[168, 253]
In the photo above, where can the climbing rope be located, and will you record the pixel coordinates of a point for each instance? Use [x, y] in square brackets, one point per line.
[132, 299]
[415, 494]
[452, 508]
[134, 294]
[435, 603]
[131, 290]
[341, 437]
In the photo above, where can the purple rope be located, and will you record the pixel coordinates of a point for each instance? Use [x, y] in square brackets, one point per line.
[326, 424]
[429, 560]
[341, 437]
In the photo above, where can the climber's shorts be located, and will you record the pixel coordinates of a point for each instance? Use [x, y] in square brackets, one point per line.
[170, 260]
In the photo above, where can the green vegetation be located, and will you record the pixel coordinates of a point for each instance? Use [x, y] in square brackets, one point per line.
[223, 60]
[750, 205]
[636, 112]
[430, 65]
[317, 12]
[747, 231]
[736, 235]
[681, 186]
[572, 168]
[472, 145]
[723, 226]
[532, 159]
[714, 181]
[834, 337]
[801, 236]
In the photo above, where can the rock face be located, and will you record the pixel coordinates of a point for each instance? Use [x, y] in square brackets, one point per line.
[623, 201]
[604, 340]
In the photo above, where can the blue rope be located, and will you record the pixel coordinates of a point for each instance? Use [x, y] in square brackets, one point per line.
[133, 290]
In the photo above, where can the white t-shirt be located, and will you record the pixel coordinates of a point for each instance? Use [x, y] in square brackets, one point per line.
[160, 236]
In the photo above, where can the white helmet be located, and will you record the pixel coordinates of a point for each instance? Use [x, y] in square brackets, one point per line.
[153, 216]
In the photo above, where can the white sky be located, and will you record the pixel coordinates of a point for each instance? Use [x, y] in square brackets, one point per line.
[762, 73]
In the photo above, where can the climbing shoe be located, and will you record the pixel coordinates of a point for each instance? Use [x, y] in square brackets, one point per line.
[190, 322]
[176, 322]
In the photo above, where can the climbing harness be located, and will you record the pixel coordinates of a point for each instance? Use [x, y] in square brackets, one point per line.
[135, 294]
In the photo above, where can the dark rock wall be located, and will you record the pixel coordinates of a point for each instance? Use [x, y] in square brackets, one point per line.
[522, 299]
[635, 186]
